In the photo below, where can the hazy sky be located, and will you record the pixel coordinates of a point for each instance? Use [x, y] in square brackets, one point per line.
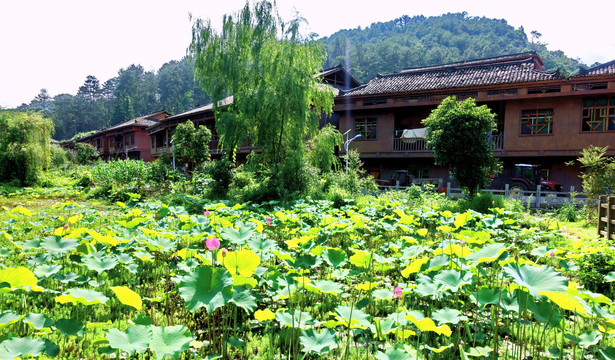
[56, 44]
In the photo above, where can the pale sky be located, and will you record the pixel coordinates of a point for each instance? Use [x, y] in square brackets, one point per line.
[56, 44]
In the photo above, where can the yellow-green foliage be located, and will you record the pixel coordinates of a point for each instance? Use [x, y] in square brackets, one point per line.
[24, 146]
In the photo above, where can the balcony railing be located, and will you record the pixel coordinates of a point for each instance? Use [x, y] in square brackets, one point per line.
[418, 145]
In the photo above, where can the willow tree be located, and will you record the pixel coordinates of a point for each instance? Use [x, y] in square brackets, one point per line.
[268, 68]
[24, 146]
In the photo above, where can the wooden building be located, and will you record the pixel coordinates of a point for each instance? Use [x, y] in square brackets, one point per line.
[128, 139]
[161, 132]
[543, 118]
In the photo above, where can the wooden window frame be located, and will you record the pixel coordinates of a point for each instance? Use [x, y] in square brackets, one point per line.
[534, 121]
[605, 121]
[367, 127]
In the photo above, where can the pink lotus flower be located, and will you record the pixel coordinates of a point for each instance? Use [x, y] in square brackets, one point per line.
[269, 221]
[65, 226]
[397, 292]
[212, 243]
[552, 253]
[206, 213]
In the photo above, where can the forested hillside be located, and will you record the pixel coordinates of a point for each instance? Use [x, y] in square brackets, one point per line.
[408, 42]
[133, 92]
[380, 48]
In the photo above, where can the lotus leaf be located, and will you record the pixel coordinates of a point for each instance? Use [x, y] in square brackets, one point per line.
[170, 340]
[427, 324]
[18, 278]
[8, 317]
[545, 312]
[99, 261]
[360, 258]
[415, 266]
[536, 278]
[300, 320]
[206, 286]
[82, 296]
[135, 340]
[335, 257]
[318, 342]
[488, 253]
[352, 317]
[238, 236]
[23, 347]
[567, 301]
[243, 262]
[397, 352]
[607, 353]
[453, 280]
[448, 316]
[70, 327]
[328, 287]
[46, 270]
[128, 297]
[243, 298]
[264, 315]
[38, 321]
[57, 246]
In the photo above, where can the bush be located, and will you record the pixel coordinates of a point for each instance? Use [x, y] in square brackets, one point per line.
[59, 156]
[483, 203]
[221, 173]
[593, 268]
[84, 154]
[569, 211]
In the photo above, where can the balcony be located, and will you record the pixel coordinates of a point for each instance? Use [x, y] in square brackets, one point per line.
[419, 145]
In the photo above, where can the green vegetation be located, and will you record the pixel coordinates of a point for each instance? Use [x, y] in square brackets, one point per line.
[24, 146]
[191, 144]
[395, 276]
[408, 42]
[459, 137]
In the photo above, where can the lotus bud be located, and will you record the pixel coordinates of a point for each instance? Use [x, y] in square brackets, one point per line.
[461, 342]
[65, 226]
[397, 292]
[552, 253]
[223, 252]
[212, 243]
[462, 242]
[206, 213]
[269, 221]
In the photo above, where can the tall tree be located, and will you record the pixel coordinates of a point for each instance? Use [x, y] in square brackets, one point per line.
[459, 135]
[276, 99]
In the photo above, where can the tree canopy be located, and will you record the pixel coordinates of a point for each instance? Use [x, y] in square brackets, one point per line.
[268, 68]
[459, 135]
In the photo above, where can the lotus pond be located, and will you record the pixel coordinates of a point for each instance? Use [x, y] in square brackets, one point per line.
[371, 280]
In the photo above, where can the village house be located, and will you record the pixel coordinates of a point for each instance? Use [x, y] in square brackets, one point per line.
[161, 132]
[543, 118]
[126, 140]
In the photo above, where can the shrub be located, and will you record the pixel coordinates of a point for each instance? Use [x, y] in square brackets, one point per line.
[482, 203]
[84, 153]
[59, 156]
[593, 268]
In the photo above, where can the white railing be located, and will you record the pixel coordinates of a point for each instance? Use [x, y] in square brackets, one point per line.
[419, 145]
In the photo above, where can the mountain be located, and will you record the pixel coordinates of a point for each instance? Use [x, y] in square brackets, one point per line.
[408, 42]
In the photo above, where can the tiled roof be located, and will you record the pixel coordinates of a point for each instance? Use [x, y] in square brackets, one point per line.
[604, 69]
[516, 68]
[224, 102]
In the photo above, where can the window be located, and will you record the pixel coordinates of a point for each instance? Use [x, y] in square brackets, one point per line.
[366, 127]
[537, 122]
[599, 114]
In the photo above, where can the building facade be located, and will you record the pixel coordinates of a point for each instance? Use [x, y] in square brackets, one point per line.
[543, 118]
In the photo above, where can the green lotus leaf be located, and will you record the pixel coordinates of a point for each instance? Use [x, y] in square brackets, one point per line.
[492, 221]
[99, 261]
[335, 257]
[143, 320]
[412, 251]
[46, 270]
[438, 262]
[243, 298]
[170, 340]
[536, 278]
[397, 352]
[383, 294]
[243, 262]
[82, 296]
[610, 277]
[453, 279]
[38, 321]
[301, 319]
[57, 246]
[328, 287]
[488, 253]
[5, 252]
[545, 312]
[135, 340]
[18, 278]
[66, 278]
[361, 259]
[568, 302]
[306, 262]
[262, 244]
[236, 342]
[352, 317]
[607, 353]
[448, 316]
[589, 338]
[206, 286]
[70, 327]
[486, 296]
[541, 251]
[479, 351]
[238, 236]
[318, 342]
[22, 347]
[29, 244]
[8, 317]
